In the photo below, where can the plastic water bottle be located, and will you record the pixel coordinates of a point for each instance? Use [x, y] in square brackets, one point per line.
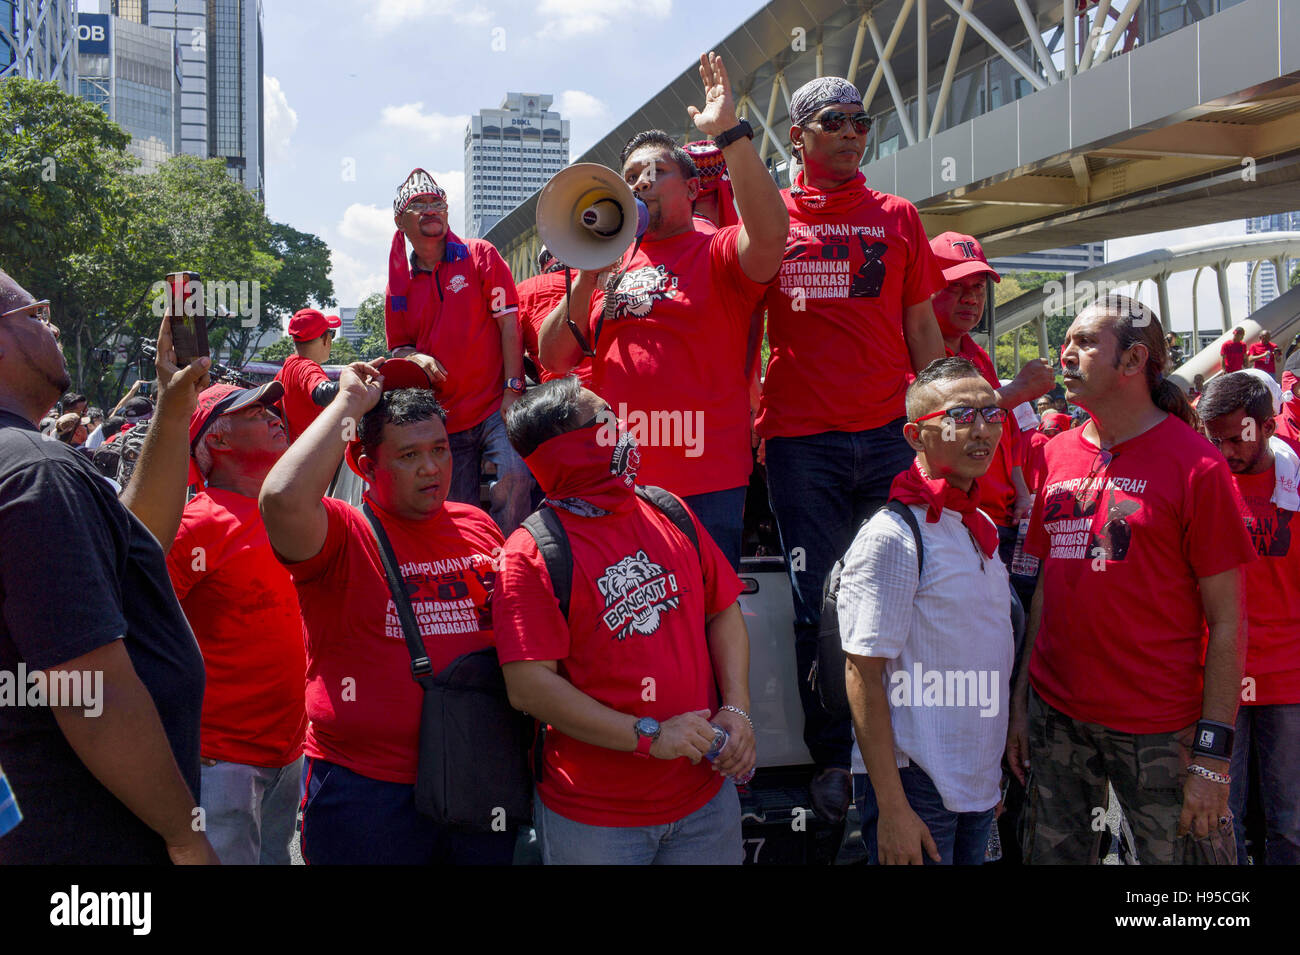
[10, 815]
[720, 739]
[1022, 564]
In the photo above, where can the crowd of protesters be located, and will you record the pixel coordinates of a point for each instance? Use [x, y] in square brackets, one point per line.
[256, 654]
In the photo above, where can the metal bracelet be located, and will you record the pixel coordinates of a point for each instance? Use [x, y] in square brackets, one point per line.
[739, 712]
[1209, 774]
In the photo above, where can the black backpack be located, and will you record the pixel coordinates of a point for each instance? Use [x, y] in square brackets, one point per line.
[827, 676]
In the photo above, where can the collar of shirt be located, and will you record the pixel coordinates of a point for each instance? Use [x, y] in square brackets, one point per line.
[11, 420]
[454, 251]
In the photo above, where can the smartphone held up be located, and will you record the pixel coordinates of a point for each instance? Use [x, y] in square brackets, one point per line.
[187, 317]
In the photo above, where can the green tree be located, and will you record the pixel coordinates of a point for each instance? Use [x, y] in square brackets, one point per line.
[342, 353]
[302, 281]
[1012, 286]
[276, 351]
[370, 320]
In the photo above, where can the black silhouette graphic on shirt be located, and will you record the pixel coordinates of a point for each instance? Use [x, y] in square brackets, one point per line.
[1281, 543]
[871, 276]
[1116, 534]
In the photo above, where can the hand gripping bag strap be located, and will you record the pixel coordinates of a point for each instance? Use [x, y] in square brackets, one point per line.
[421, 668]
[827, 675]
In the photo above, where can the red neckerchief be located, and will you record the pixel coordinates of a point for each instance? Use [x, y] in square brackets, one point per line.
[913, 487]
[577, 466]
[837, 202]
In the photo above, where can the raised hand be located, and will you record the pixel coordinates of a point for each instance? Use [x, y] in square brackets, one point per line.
[719, 113]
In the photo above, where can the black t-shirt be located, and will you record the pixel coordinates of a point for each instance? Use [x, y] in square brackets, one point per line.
[78, 571]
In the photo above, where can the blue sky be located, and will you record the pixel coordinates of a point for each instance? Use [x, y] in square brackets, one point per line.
[354, 102]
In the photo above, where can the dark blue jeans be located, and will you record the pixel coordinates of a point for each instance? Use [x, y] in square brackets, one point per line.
[960, 837]
[510, 493]
[350, 819]
[1273, 732]
[723, 515]
[822, 487]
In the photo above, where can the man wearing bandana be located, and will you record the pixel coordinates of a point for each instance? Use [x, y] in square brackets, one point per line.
[451, 306]
[653, 650]
[848, 322]
[669, 352]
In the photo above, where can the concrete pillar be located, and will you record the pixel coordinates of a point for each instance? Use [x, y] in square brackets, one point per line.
[1221, 273]
[1015, 347]
[1196, 324]
[1162, 292]
[1042, 336]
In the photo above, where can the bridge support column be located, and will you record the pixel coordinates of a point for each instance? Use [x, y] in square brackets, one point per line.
[1042, 336]
[1196, 324]
[1162, 293]
[1225, 305]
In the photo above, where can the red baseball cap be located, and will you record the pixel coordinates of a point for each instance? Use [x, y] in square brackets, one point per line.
[223, 399]
[308, 323]
[398, 373]
[960, 255]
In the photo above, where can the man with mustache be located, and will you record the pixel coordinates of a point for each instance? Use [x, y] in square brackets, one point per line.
[1125, 689]
[932, 767]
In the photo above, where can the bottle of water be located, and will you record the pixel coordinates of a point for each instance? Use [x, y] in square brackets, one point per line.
[720, 739]
[1022, 564]
[993, 851]
[10, 816]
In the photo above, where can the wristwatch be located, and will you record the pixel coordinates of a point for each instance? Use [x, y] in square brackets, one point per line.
[1213, 739]
[726, 138]
[647, 731]
[516, 385]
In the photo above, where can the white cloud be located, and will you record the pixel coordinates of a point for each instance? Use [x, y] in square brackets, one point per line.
[575, 104]
[570, 18]
[367, 223]
[355, 278]
[435, 127]
[390, 14]
[280, 120]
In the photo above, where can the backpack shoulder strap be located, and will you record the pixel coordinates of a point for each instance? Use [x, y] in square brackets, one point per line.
[905, 512]
[421, 668]
[553, 544]
[673, 509]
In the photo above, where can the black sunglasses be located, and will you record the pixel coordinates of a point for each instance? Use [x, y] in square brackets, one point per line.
[833, 120]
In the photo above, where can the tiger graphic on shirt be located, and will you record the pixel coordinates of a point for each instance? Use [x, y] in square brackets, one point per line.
[637, 592]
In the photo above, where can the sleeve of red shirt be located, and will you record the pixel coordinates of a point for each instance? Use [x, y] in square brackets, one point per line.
[924, 277]
[721, 585]
[398, 328]
[339, 515]
[1037, 541]
[309, 375]
[526, 619]
[498, 284]
[724, 257]
[1214, 537]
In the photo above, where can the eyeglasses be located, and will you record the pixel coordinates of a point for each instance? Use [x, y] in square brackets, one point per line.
[437, 205]
[38, 310]
[966, 415]
[833, 120]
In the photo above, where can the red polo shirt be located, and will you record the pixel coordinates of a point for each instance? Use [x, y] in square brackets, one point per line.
[300, 376]
[538, 297]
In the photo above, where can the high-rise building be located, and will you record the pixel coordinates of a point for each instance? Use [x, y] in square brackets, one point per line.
[510, 153]
[1074, 258]
[349, 329]
[1267, 284]
[133, 73]
[38, 41]
[221, 64]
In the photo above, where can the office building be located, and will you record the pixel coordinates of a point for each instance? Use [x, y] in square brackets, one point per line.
[510, 153]
[1264, 284]
[37, 41]
[1074, 258]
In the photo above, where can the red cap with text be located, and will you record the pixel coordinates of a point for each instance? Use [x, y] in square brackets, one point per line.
[960, 255]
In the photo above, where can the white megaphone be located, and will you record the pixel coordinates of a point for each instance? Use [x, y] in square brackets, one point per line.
[587, 216]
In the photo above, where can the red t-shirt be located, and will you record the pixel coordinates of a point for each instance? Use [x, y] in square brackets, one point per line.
[363, 704]
[243, 610]
[997, 488]
[1123, 632]
[649, 625]
[300, 376]
[1272, 593]
[835, 321]
[671, 362]
[451, 314]
[1267, 353]
[1233, 354]
[538, 297]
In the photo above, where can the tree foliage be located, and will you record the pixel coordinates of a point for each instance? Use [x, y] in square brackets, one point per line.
[370, 320]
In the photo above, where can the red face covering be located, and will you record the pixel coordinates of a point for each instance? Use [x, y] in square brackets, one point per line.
[913, 487]
[836, 202]
[584, 476]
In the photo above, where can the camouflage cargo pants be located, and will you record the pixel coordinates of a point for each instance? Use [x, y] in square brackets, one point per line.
[1071, 764]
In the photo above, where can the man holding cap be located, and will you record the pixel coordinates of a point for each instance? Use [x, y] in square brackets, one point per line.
[307, 388]
[848, 321]
[362, 743]
[243, 610]
[451, 307]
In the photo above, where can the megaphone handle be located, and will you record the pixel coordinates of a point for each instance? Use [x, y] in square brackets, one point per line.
[573, 327]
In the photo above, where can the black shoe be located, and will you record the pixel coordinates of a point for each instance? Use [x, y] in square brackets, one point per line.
[831, 791]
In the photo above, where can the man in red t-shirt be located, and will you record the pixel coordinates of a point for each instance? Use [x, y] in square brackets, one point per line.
[307, 388]
[1004, 493]
[1238, 416]
[452, 308]
[652, 650]
[538, 297]
[670, 359]
[848, 321]
[1233, 353]
[362, 744]
[243, 610]
[1263, 354]
[1138, 530]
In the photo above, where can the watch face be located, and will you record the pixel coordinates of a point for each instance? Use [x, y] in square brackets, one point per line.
[647, 726]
